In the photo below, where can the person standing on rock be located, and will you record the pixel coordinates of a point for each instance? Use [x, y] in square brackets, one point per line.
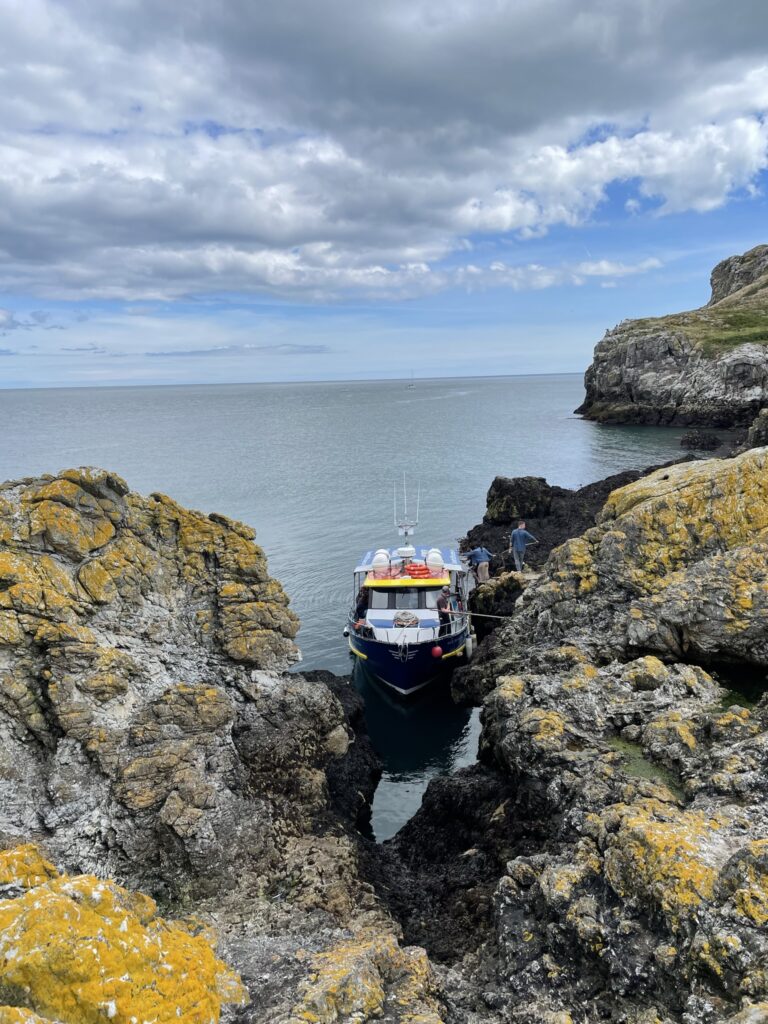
[444, 611]
[519, 540]
[479, 559]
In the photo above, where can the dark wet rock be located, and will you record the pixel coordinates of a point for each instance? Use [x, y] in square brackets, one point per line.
[700, 440]
[551, 513]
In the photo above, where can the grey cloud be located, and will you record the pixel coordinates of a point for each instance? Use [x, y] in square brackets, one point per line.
[323, 149]
[285, 349]
[95, 349]
[8, 352]
[10, 321]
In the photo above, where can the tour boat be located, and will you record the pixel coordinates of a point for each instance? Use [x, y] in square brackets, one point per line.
[393, 625]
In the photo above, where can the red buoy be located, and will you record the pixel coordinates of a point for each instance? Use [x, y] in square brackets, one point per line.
[437, 651]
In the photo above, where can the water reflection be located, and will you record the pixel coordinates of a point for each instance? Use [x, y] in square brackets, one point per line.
[416, 739]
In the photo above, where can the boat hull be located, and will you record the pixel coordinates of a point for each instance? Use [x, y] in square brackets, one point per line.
[409, 668]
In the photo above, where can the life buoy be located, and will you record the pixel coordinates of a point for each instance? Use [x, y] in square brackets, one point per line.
[417, 571]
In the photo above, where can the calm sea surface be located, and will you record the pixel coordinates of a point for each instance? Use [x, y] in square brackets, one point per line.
[311, 467]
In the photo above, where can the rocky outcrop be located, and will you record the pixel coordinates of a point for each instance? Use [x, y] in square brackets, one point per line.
[706, 367]
[607, 858]
[736, 275]
[610, 848]
[150, 733]
[84, 949]
[552, 514]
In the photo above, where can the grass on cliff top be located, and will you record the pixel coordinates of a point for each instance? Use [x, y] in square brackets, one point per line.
[736, 320]
[718, 330]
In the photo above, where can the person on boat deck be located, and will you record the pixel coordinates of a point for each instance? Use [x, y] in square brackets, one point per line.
[361, 607]
[479, 559]
[519, 540]
[444, 611]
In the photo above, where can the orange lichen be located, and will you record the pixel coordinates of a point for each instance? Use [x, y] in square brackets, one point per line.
[25, 866]
[82, 950]
[662, 853]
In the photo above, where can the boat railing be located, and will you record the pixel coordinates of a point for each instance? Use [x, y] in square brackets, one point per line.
[458, 624]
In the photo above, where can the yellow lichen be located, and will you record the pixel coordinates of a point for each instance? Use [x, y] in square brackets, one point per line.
[82, 950]
[750, 894]
[14, 1015]
[353, 979]
[510, 687]
[25, 866]
[672, 726]
[662, 853]
[546, 728]
[67, 531]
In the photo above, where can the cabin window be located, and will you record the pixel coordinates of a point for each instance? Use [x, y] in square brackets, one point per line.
[430, 599]
[407, 599]
[378, 599]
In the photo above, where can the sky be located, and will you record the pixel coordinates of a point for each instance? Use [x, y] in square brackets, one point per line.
[236, 190]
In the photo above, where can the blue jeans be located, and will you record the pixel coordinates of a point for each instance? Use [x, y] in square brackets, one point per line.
[519, 558]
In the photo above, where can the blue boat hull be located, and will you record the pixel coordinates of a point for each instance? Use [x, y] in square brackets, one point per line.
[410, 668]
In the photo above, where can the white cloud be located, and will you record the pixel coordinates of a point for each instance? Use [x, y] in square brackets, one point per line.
[327, 149]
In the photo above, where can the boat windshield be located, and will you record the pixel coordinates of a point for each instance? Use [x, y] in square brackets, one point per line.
[410, 598]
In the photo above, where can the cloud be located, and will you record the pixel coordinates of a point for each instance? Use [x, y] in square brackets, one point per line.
[8, 352]
[93, 349]
[343, 149]
[285, 348]
[10, 321]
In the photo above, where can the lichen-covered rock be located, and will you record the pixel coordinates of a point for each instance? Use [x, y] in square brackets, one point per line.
[619, 852]
[675, 565]
[80, 950]
[149, 732]
[363, 978]
[708, 366]
[141, 645]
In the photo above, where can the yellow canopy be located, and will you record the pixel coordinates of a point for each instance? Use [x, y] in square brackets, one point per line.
[409, 581]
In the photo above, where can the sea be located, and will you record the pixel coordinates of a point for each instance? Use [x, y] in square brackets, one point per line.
[312, 468]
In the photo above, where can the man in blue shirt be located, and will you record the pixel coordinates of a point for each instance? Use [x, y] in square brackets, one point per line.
[479, 559]
[519, 539]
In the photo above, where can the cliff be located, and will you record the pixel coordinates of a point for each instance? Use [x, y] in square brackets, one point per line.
[706, 367]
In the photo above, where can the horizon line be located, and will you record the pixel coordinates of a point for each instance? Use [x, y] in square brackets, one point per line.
[257, 383]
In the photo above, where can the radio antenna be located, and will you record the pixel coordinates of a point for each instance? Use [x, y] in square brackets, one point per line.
[404, 524]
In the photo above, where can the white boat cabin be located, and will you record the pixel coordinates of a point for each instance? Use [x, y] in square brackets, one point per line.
[396, 593]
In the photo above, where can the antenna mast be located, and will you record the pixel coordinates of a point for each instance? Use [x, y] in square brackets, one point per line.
[405, 525]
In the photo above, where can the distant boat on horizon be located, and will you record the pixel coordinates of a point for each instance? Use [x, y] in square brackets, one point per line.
[412, 384]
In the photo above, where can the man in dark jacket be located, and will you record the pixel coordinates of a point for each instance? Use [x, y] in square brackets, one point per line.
[444, 611]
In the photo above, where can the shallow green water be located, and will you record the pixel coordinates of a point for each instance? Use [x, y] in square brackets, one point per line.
[635, 763]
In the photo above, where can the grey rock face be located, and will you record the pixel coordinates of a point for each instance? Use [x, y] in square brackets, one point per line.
[150, 732]
[737, 272]
[707, 367]
[653, 375]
